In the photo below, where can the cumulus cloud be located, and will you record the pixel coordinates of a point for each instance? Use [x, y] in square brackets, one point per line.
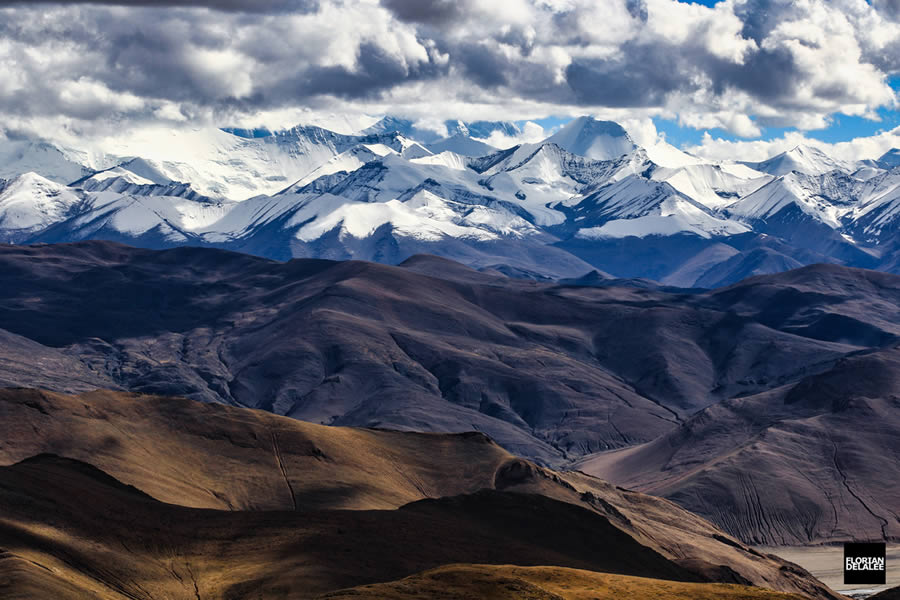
[226, 5]
[740, 65]
[862, 148]
[531, 132]
[431, 11]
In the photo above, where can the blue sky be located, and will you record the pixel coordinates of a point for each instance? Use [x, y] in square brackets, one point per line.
[842, 127]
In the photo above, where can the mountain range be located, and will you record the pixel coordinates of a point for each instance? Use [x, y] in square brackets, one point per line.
[769, 406]
[585, 199]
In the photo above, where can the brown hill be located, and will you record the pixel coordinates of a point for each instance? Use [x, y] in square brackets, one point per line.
[244, 461]
[212, 456]
[76, 524]
[462, 582]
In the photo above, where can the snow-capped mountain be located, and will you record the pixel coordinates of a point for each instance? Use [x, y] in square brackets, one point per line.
[448, 129]
[52, 161]
[148, 221]
[585, 198]
[30, 203]
[126, 179]
[714, 186]
[461, 144]
[875, 219]
[803, 159]
[825, 198]
[639, 207]
[890, 159]
[598, 140]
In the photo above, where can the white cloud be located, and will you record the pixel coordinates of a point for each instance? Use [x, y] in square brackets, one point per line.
[740, 66]
[531, 132]
[861, 148]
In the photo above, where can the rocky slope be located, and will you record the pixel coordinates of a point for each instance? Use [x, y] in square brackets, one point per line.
[552, 372]
[264, 489]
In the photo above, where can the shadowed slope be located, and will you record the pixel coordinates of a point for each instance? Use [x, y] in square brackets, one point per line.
[212, 456]
[461, 582]
[550, 372]
[815, 461]
[93, 533]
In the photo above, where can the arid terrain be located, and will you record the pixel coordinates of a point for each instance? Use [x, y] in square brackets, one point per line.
[459, 582]
[116, 495]
[708, 398]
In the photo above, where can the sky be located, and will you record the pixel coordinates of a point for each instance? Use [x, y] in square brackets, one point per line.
[735, 77]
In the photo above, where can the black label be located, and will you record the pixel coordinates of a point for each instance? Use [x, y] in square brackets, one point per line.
[865, 564]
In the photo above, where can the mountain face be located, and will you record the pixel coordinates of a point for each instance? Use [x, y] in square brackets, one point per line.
[554, 372]
[597, 140]
[890, 159]
[586, 198]
[808, 460]
[18, 157]
[30, 203]
[802, 159]
[226, 502]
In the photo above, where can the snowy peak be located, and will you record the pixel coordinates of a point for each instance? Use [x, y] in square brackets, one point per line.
[30, 202]
[461, 144]
[411, 150]
[890, 159]
[637, 207]
[147, 170]
[598, 140]
[18, 157]
[482, 129]
[454, 127]
[826, 198]
[714, 186]
[390, 124]
[803, 159]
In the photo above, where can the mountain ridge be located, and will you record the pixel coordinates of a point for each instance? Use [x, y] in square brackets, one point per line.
[301, 193]
[556, 372]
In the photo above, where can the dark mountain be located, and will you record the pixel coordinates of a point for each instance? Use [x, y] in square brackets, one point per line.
[552, 372]
[812, 460]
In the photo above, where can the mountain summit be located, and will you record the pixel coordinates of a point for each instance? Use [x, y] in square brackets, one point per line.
[803, 159]
[598, 140]
[890, 159]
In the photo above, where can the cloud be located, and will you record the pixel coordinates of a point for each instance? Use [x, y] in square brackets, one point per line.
[531, 132]
[433, 12]
[888, 7]
[225, 5]
[740, 65]
[871, 147]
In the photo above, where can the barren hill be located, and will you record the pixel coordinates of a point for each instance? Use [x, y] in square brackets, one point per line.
[275, 483]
